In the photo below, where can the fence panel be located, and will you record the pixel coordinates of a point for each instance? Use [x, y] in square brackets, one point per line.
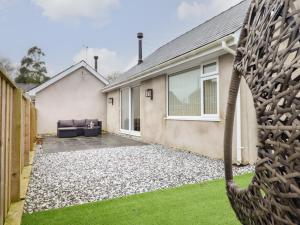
[2, 161]
[33, 125]
[17, 137]
[5, 146]
[26, 131]
[17, 146]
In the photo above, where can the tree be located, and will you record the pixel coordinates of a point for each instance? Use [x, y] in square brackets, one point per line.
[113, 76]
[6, 65]
[33, 69]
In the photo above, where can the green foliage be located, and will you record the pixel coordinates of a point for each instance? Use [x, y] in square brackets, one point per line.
[6, 65]
[33, 69]
[204, 203]
[113, 76]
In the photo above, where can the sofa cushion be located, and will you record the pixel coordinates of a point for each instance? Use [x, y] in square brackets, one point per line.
[95, 127]
[66, 123]
[95, 121]
[67, 128]
[79, 123]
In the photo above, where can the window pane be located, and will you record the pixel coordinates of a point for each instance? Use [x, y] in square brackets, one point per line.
[135, 109]
[210, 96]
[184, 94]
[125, 109]
[210, 68]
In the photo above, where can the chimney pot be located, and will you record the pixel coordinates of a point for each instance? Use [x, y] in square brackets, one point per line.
[96, 62]
[140, 36]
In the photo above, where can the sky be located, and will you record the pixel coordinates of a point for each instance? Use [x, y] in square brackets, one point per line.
[72, 30]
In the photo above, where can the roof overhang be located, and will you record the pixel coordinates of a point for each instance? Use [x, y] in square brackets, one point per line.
[65, 73]
[207, 52]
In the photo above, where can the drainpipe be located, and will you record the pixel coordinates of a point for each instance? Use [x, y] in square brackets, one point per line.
[238, 129]
[237, 114]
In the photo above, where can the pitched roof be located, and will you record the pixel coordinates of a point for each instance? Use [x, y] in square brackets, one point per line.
[65, 73]
[213, 29]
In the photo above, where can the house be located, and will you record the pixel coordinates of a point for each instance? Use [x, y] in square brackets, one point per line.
[177, 95]
[75, 93]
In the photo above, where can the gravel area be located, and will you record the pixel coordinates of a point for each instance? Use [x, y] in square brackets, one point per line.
[69, 178]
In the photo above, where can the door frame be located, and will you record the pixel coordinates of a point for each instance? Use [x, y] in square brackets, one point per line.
[129, 131]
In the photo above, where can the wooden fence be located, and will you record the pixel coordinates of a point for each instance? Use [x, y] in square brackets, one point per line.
[17, 137]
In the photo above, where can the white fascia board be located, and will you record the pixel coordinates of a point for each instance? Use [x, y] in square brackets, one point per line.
[65, 73]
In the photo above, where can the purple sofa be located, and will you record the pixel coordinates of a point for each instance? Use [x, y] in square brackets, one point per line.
[74, 128]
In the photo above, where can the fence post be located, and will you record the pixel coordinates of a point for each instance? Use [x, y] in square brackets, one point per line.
[16, 153]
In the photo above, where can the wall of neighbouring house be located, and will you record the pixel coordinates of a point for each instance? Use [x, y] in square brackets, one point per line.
[76, 96]
[203, 137]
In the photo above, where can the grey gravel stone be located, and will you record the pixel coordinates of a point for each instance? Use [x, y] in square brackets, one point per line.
[68, 178]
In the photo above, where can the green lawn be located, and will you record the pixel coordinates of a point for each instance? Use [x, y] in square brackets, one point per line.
[204, 203]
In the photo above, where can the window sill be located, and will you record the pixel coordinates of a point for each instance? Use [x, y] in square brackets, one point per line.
[194, 118]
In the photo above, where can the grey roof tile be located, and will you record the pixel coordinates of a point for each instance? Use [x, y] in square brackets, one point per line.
[213, 29]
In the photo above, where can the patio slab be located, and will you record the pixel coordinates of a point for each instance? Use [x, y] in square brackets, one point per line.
[54, 144]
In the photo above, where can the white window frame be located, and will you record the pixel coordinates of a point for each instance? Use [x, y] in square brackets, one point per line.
[209, 116]
[212, 73]
[203, 77]
[129, 131]
[210, 76]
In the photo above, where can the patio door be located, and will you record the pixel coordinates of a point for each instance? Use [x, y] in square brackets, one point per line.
[130, 110]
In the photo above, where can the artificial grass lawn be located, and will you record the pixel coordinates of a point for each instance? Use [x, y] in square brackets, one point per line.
[205, 203]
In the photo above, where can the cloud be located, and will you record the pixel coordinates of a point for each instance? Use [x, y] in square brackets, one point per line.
[5, 3]
[108, 62]
[70, 10]
[203, 9]
[131, 63]
[189, 10]
[2, 2]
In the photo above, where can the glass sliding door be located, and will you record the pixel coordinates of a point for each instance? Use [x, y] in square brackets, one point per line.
[125, 109]
[130, 110]
[135, 109]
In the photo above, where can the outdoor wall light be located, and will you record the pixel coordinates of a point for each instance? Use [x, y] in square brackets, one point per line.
[149, 93]
[111, 101]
